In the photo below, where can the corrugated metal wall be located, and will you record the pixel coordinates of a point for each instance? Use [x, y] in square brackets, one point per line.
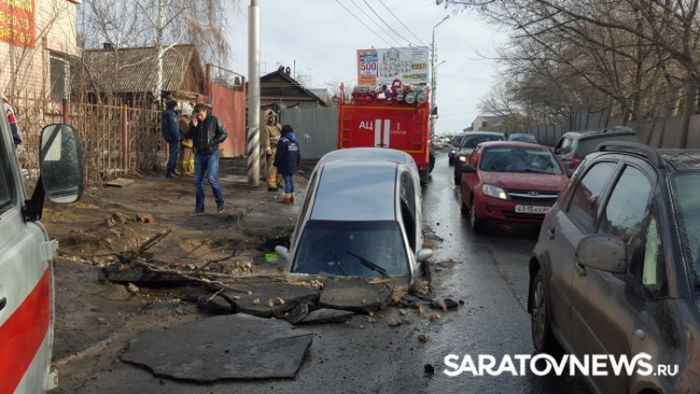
[316, 128]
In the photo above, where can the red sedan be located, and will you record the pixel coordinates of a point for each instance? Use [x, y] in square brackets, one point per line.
[510, 182]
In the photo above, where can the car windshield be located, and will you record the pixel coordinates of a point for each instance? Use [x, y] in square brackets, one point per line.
[522, 138]
[687, 203]
[363, 249]
[517, 159]
[472, 142]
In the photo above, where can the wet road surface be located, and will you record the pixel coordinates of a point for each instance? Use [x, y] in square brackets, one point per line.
[490, 274]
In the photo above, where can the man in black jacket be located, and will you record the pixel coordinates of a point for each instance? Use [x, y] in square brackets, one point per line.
[206, 133]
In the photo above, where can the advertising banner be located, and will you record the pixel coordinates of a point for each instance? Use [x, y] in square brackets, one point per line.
[17, 22]
[383, 65]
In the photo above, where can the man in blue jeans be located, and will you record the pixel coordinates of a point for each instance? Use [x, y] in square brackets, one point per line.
[170, 127]
[206, 133]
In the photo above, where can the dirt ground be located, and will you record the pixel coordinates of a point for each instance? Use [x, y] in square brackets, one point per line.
[95, 318]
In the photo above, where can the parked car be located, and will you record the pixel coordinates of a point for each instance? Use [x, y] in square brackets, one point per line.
[469, 142]
[519, 137]
[575, 145]
[361, 217]
[510, 182]
[26, 257]
[615, 269]
[456, 144]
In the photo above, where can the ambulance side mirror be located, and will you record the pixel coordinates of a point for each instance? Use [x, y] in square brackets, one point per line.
[61, 167]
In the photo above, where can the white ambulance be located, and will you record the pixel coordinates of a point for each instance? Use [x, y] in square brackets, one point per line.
[26, 257]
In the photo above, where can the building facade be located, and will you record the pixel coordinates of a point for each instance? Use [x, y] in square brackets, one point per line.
[37, 40]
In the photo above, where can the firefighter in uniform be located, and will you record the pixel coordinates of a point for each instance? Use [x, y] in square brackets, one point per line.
[271, 135]
[186, 162]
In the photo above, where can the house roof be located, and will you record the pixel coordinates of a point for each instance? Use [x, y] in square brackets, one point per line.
[136, 71]
[279, 85]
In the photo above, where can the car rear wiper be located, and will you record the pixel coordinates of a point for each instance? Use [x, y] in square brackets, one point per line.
[370, 265]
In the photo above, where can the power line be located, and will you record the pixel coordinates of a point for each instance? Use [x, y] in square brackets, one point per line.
[402, 22]
[385, 31]
[363, 22]
[387, 25]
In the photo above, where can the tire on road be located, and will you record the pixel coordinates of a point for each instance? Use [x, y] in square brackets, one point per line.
[542, 337]
[475, 223]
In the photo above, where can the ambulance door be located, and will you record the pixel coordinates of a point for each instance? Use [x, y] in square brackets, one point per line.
[26, 296]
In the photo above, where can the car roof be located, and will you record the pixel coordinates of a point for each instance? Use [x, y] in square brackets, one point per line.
[610, 132]
[365, 154]
[682, 159]
[478, 133]
[356, 191]
[512, 144]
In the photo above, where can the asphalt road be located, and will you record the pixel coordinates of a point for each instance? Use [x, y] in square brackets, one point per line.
[490, 274]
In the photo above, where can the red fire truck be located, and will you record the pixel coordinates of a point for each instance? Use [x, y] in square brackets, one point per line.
[391, 119]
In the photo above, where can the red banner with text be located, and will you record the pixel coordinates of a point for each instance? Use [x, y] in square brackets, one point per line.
[17, 22]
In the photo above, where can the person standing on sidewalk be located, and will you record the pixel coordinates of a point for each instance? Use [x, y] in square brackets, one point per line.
[271, 135]
[206, 133]
[287, 158]
[170, 127]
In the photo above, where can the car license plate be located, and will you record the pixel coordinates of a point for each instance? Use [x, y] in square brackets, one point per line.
[532, 209]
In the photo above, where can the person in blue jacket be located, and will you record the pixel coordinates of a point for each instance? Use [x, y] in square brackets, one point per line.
[287, 160]
[170, 127]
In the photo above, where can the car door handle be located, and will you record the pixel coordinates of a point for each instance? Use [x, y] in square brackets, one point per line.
[3, 303]
[552, 233]
[580, 269]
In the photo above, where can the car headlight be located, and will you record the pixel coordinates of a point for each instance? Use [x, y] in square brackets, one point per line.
[494, 191]
[452, 152]
[463, 159]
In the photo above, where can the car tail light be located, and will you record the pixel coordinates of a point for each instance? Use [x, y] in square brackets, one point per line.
[575, 163]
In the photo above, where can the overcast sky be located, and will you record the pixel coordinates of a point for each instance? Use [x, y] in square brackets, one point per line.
[322, 37]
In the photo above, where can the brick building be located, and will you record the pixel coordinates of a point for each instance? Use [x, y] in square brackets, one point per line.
[37, 41]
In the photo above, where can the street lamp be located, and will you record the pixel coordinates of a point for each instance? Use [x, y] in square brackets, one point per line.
[434, 59]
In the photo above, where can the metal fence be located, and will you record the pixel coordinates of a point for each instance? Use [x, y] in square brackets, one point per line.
[316, 128]
[657, 132]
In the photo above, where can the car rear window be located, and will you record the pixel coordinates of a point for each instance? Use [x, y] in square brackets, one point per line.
[352, 249]
[472, 142]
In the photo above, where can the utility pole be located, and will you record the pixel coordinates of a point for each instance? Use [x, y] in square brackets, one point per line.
[433, 78]
[253, 137]
[160, 51]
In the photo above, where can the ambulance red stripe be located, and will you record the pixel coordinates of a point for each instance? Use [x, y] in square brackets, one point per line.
[23, 333]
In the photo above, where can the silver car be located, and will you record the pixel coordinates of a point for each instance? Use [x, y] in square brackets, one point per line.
[361, 217]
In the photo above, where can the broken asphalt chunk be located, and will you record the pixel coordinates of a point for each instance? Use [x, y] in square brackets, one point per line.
[222, 347]
[327, 316]
[355, 295]
[272, 298]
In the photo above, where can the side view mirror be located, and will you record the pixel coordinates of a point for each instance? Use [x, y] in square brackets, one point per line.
[467, 169]
[61, 168]
[422, 255]
[602, 252]
[282, 252]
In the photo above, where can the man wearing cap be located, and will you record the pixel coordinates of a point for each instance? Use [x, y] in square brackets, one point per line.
[271, 135]
[170, 127]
